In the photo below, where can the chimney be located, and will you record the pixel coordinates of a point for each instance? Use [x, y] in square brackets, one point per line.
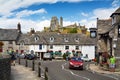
[32, 31]
[19, 27]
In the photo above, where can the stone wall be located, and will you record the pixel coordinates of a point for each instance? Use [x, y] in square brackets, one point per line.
[5, 68]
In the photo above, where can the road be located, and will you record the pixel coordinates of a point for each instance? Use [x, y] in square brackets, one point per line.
[58, 70]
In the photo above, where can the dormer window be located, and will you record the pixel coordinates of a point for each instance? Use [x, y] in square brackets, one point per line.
[77, 39]
[66, 39]
[22, 43]
[51, 39]
[113, 19]
[36, 38]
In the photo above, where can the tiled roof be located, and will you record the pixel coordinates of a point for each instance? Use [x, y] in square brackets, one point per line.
[104, 26]
[59, 39]
[8, 34]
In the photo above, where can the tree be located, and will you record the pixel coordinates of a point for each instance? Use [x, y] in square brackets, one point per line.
[74, 30]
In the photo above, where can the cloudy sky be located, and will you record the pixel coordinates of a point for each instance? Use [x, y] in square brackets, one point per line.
[37, 13]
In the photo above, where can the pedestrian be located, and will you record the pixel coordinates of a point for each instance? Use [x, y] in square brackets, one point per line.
[13, 58]
[112, 63]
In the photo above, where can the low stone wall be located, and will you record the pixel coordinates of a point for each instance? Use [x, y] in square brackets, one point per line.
[5, 68]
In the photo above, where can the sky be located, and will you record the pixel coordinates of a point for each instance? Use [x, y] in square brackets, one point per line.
[38, 13]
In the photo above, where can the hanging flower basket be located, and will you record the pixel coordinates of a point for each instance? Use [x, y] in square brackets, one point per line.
[1, 43]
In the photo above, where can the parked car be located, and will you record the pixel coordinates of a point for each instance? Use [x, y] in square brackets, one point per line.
[86, 59]
[47, 56]
[76, 63]
[22, 56]
[30, 56]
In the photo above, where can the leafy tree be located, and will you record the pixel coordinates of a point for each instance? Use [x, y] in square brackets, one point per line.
[74, 30]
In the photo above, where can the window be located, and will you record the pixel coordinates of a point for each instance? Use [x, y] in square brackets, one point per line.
[22, 43]
[77, 47]
[66, 47]
[10, 42]
[66, 39]
[77, 39]
[51, 46]
[51, 39]
[118, 30]
[36, 38]
[40, 46]
[113, 19]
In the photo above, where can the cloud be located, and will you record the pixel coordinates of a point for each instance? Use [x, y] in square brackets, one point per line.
[7, 9]
[75, 1]
[116, 3]
[10, 5]
[103, 13]
[26, 25]
[30, 12]
[84, 14]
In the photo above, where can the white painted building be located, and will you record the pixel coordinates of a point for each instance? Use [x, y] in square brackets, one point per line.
[43, 42]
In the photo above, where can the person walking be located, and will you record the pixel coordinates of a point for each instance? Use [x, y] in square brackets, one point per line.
[112, 64]
[13, 58]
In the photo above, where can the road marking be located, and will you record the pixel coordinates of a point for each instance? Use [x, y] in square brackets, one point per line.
[110, 76]
[73, 73]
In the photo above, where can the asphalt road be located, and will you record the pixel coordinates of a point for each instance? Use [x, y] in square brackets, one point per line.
[58, 70]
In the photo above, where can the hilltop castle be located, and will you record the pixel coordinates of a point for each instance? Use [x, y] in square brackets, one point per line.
[57, 26]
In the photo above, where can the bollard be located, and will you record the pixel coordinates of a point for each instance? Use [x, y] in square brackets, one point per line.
[26, 63]
[45, 73]
[33, 63]
[46, 69]
[19, 60]
[39, 69]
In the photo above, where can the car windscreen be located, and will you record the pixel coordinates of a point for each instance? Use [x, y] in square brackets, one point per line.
[76, 59]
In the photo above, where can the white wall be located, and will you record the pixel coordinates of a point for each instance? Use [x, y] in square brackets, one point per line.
[35, 48]
[85, 49]
[90, 50]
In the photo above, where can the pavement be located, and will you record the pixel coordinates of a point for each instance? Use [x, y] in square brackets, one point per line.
[98, 69]
[20, 72]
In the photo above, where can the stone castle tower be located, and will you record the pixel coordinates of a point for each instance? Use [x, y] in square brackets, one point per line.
[54, 25]
[61, 22]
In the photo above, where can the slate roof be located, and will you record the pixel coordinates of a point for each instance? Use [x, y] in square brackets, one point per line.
[30, 39]
[8, 34]
[59, 39]
[104, 26]
[116, 12]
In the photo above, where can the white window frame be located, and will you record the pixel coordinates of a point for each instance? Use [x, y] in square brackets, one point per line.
[52, 39]
[66, 39]
[77, 39]
[36, 38]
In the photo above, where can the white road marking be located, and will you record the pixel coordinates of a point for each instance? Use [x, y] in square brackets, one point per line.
[110, 76]
[73, 73]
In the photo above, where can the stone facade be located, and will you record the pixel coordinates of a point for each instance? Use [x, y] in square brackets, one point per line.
[5, 69]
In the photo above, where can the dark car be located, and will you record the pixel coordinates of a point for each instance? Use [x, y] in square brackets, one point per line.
[76, 63]
[30, 56]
